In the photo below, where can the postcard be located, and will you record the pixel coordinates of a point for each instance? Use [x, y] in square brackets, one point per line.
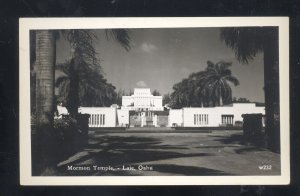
[154, 101]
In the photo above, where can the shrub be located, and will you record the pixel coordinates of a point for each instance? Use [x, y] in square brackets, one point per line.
[67, 135]
[65, 126]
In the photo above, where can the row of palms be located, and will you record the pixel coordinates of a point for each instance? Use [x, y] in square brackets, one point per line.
[205, 88]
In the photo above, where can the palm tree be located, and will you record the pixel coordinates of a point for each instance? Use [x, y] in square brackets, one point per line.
[83, 58]
[200, 94]
[42, 72]
[44, 69]
[180, 94]
[247, 42]
[44, 66]
[216, 80]
[84, 54]
[93, 88]
[203, 88]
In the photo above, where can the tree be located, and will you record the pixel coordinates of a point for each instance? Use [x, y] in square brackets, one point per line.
[83, 58]
[156, 93]
[93, 88]
[246, 42]
[180, 97]
[201, 94]
[166, 99]
[45, 52]
[215, 81]
[205, 88]
[84, 55]
[42, 61]
[44, 69]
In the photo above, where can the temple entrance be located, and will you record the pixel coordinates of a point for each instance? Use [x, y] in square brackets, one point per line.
[141, 119]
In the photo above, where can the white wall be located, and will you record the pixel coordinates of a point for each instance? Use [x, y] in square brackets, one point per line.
[123, 117]
[157, 101]
[175, 116]
[204, 117]
[100, 116]
[214, 114]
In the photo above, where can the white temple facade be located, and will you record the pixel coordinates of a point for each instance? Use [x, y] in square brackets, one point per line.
[142, 109]
[229, 115]
[142, 100]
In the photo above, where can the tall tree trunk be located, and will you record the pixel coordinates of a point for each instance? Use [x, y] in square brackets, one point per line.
[45, 61]
[43, 152]
[73, 97]
[271, 79]
[220, 94]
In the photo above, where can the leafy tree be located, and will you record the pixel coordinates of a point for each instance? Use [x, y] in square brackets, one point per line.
[246, 42]
[156, 93]
[180, 95]
[166, 99]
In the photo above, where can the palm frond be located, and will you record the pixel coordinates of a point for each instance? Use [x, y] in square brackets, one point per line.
[121, 36]
[233, 80]
[244, 41]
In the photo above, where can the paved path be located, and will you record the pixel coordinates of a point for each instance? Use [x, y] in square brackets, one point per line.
[196, 154]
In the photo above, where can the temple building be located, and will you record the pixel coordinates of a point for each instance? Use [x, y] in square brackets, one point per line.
[142, 109]
[142, 100]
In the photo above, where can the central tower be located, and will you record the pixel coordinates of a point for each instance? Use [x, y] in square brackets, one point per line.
[142, 100]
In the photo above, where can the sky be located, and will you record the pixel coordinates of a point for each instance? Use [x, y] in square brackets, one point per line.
[162, 57]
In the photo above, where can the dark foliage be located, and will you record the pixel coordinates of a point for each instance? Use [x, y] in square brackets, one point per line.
[205, 88]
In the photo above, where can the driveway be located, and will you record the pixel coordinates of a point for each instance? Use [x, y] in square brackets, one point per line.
[157, 153]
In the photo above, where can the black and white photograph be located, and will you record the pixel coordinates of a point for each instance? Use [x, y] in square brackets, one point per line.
[152, 101]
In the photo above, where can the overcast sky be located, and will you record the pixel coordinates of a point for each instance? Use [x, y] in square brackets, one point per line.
[159, 58]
